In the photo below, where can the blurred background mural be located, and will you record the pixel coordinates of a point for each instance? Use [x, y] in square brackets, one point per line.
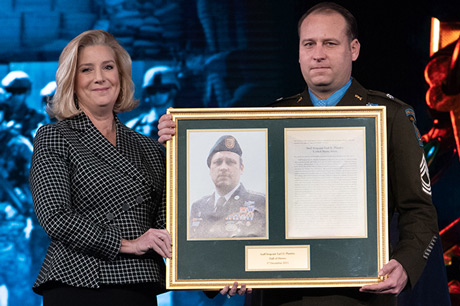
[208, 53]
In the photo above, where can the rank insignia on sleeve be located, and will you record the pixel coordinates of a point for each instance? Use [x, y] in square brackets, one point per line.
[411, 115]
[425, 176]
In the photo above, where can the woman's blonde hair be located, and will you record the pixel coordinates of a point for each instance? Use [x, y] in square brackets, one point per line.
[64, 103]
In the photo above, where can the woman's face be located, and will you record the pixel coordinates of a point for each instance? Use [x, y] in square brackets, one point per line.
[97, 81]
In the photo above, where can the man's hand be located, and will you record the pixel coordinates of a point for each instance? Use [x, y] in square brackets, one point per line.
[234, 290]
[396, 280]
[166, 128]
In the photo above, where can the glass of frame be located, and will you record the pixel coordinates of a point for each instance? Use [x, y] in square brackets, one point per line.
[305, 197]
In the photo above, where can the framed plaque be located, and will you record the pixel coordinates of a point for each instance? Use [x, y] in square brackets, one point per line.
[277, 197]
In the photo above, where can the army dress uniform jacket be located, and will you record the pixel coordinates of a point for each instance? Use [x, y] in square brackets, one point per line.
[88, 195]
[243, 215]
[409, 194]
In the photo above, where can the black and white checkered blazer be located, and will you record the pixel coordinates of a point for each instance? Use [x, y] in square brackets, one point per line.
[88, 195]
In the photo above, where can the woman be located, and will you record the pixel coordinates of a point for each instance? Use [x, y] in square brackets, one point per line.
[98, 187]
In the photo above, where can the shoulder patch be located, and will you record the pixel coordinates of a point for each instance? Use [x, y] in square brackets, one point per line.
[411, 115]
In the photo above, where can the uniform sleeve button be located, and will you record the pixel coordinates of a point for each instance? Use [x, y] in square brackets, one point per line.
[110, 216]
[125, 207]
[139, 199]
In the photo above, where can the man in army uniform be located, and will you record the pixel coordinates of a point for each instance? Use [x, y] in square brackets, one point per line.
[231, 211]
[328, 46]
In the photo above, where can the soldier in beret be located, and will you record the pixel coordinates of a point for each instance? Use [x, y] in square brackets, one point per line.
[230, 211]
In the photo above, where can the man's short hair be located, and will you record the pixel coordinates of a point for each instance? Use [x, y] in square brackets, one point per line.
[331, 7]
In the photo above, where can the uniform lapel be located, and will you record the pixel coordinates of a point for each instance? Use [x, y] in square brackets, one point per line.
[304, 99]
[356, 95]
[236, 200]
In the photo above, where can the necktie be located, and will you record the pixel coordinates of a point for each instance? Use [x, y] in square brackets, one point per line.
[220, 204]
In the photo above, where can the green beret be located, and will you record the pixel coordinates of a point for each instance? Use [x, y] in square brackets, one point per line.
[225, 143]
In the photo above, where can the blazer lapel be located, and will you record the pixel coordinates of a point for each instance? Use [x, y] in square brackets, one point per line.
[91, 138]
[128, 146]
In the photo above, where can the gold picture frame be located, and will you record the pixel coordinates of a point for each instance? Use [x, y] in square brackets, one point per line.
[334, 157]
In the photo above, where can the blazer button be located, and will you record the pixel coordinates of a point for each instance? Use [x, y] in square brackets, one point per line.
[125, 207]
[139, 199]
[110, 216]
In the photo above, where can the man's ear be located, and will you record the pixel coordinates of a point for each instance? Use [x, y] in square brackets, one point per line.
[355, 46]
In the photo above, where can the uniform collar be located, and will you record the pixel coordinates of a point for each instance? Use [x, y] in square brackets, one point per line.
[356, 95]
[228, 195]
[333, 99]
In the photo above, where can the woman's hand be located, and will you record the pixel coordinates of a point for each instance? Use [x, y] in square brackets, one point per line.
[234, 290]
[154, 239]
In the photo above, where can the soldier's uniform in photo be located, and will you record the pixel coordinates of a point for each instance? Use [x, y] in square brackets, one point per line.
[242, 215]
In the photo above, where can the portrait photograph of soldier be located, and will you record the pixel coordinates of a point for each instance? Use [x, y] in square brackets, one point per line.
[227, 177]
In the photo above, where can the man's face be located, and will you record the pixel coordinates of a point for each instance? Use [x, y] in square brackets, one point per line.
[325, 53]
[225, 170]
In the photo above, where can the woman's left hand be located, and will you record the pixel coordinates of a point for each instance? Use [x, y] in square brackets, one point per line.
[154, 239]
[234, 290]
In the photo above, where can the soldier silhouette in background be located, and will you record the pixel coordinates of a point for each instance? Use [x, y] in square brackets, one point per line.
[159, 91]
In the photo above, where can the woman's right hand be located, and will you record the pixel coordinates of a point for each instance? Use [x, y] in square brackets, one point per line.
[158, 240]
